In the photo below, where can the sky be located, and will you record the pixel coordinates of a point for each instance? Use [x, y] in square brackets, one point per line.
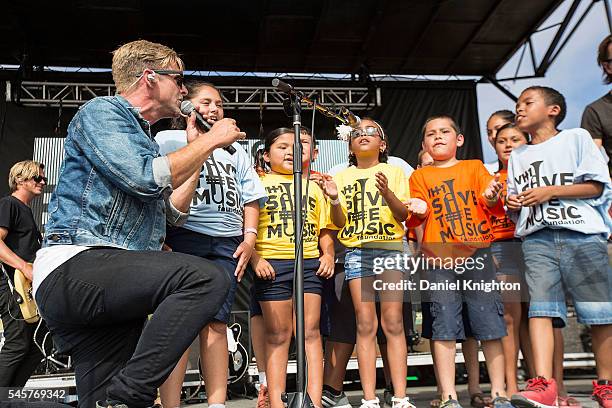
[574, 73]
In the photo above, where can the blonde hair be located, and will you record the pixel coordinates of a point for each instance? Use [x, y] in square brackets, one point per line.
[22, 171]
[132, 58]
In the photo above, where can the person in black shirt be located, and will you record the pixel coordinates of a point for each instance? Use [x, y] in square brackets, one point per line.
[19, 241]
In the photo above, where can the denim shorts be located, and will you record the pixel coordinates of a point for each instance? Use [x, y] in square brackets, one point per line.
[220, 250]
[281, 287]
[508, 256]
[560, 260]
[460, 311]
[362, 262]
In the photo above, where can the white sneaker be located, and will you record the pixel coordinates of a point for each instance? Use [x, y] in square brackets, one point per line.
[402, 402]
[375, 403]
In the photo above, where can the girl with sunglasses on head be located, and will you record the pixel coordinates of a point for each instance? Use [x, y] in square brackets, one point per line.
[367, 205]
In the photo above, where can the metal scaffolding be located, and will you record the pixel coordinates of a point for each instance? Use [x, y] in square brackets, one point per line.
[69, 94]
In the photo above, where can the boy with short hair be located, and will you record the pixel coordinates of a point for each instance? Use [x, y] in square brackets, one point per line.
[458, 194]
[560, 190]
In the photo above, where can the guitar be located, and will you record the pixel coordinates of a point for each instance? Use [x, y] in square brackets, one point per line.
[238, 362]
[22, 294]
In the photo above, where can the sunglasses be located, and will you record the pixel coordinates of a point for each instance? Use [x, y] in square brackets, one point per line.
[176, 75]
[368, 131]
[39, 179]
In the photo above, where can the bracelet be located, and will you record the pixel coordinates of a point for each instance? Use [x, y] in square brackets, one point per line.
[250, 230]
[336, 201]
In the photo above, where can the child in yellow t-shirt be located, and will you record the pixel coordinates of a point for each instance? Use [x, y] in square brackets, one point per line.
[274, 262]
[367, 205]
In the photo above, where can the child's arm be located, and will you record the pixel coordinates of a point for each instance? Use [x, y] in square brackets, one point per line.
[398, 209]
[245, 249]
[417, 205]
[492, 191]
[262, 268]
[539, 195]
[330, 189]
[326, 244]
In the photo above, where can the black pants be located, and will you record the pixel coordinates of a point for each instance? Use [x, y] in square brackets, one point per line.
[96, 304]
[19, 355]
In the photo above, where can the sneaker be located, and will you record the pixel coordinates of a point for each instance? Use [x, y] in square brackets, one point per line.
[329, 400]
[388, 396]
[263, 398]
[450, 403]
[375, 403]
[602, 393]
[401, 403]
[105, 404]
[539, 393]
[568, 402]
[501, 402]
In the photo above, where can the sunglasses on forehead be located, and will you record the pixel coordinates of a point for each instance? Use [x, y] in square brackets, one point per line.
[39, 179]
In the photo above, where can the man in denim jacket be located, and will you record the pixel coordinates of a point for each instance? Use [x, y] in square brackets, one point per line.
[101, 271]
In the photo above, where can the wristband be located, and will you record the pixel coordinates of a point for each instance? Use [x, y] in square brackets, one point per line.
[250, 230]
[336, 201]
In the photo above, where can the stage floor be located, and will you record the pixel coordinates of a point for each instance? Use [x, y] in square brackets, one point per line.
[421, 396]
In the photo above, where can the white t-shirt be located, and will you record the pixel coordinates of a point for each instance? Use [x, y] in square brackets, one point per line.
[570, 157]
[227, 183]
[492, 167]
[50, 258]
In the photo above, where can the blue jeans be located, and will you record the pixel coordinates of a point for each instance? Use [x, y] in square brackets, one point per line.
[560, 260]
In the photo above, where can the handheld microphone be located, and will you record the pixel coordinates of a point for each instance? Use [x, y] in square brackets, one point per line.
[187, 109]
[352, 119]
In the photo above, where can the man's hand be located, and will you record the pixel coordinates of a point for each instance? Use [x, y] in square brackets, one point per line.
[491, 193]
[226, 132]
[326, 266]
[538, 195]
[417, 207]
[26, 269]
[513, 202]
[193, 131]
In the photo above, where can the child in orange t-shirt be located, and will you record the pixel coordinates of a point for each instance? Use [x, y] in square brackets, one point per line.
[456, 237]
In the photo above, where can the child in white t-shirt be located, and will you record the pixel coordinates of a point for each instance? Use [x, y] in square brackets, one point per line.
[559, 190]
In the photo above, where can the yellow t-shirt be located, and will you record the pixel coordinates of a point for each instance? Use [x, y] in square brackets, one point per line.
[275, 232]
[368, 218]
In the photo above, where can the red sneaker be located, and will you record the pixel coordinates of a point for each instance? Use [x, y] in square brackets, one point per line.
[602, 393]
[539, 393]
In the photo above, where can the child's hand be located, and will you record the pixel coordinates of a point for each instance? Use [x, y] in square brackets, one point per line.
[382, 183]
[513, 202]
[492, 191]
[537, 195]
[417, 207]
[326, 267]
[327, 184]
[243, 253]
[263, 269]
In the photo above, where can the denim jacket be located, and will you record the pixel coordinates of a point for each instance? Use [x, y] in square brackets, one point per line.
[114, 186]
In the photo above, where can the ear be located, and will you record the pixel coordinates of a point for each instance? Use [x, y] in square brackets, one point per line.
[266, 157]
[554, 110]
[460, 140]
[315, 153]
[383, 144]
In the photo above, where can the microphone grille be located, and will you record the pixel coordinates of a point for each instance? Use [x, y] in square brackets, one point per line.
[275, 82]
[187, 107]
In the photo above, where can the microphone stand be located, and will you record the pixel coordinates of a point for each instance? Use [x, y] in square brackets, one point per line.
[300, 398]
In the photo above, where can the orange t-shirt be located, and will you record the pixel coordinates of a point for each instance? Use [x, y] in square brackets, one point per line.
[457, 210]
[503, 227]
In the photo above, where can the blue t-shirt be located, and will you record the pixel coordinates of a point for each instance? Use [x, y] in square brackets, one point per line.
[227, 183]
[568, 158]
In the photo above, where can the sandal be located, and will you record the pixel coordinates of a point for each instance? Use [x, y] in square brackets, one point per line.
[435, 403]
[478, 400]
